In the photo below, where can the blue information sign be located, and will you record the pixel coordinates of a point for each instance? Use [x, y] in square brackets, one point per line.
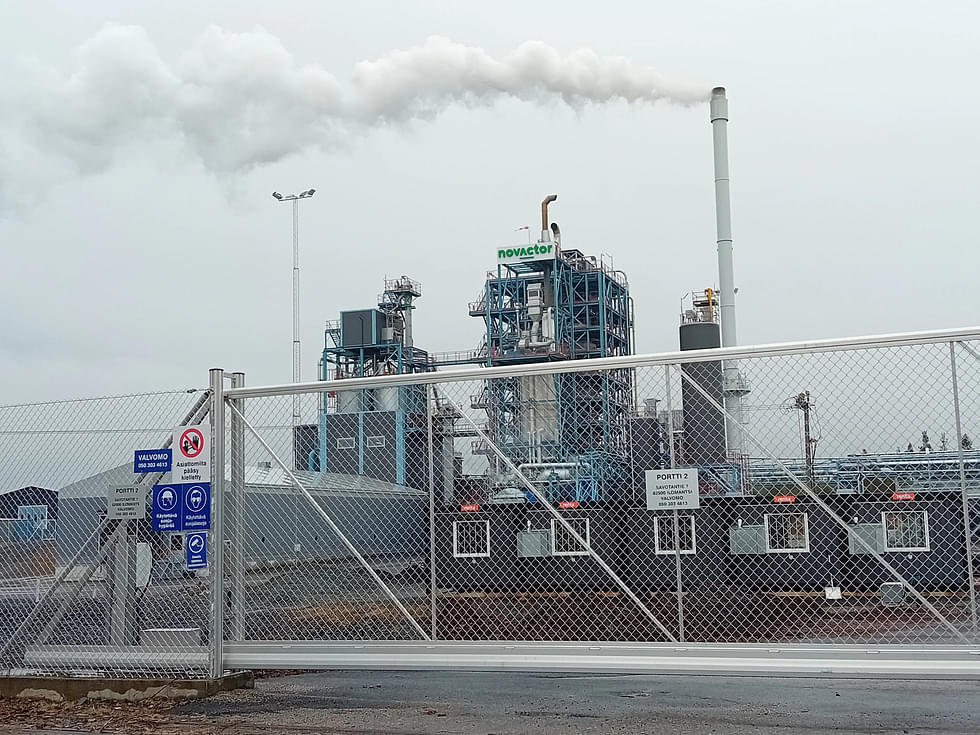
[195, 512]
[152, 460]
[179, 507]
[196, 550]
[165, 509]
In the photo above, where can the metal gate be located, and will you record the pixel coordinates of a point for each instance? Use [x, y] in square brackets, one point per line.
[498, 518]
[517, 519]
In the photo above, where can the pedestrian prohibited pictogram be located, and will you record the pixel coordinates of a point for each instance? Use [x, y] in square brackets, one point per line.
[192, 454]
[191, 443]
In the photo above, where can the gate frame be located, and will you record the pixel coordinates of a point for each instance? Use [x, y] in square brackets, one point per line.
[746, 659]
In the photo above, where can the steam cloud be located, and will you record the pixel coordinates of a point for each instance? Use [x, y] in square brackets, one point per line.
[238, 100]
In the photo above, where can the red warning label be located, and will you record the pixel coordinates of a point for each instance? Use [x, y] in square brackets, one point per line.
[192, 454]
[191, 443]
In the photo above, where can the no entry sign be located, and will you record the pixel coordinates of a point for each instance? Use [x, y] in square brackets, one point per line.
[192, 454]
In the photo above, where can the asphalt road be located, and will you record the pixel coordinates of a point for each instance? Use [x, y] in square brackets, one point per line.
[376, 703]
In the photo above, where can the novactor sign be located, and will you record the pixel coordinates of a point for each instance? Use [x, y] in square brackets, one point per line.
[526, 253]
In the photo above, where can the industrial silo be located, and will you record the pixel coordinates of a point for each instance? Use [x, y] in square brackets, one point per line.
[704, 421]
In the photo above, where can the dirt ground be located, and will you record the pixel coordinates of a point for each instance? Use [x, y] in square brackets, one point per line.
[406, 703]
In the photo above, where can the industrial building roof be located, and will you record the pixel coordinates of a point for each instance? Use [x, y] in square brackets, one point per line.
[257, 479]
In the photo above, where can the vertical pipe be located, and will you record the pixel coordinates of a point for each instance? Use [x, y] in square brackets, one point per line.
[297, 373]
[238, 530]
[296, 353]
[430, 399]
[217, 521]
[726, 269]
[409, 339]
[677, 541]
[964, 497]
[723, 215]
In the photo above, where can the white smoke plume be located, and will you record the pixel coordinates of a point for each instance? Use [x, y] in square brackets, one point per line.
[238, 100]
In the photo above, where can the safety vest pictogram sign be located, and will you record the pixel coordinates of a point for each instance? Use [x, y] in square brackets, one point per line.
[192, 454]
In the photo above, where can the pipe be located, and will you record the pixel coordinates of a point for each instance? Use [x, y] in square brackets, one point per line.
[723, 216]
[557, 233]
[552, 465]
[545, 231]
[734, 384]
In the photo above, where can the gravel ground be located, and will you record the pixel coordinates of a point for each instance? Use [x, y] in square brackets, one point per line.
[376, 703]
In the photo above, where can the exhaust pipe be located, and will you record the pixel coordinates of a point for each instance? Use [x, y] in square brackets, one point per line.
[734, 384]
[545, 231]
[723, 216]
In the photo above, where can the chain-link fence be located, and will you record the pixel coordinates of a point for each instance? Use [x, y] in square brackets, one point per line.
[792, 495]
[832, 502]
[83, 591]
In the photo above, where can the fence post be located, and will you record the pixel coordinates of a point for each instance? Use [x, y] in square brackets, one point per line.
[677, 533]
[217, 521]
[238, 526]
[430, 416]
[964, 497]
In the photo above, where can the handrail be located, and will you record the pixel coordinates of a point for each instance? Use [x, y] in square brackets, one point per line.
[902, 339]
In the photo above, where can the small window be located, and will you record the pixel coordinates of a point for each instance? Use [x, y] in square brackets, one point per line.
[563, 543]
[345, 442]
[665, 534]
[471, 539]
[375, 442]
[787, 532]
[906, 530]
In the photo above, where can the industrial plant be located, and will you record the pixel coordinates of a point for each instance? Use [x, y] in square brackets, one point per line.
[528, 478]
[582, 441]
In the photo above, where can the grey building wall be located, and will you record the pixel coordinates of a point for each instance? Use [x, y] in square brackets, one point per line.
[704, 425]
[648, 450]
[364, 431]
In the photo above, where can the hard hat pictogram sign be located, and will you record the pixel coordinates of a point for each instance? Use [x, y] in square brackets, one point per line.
[179, 507]
[167, 498]
[165, 508]
[192, 454]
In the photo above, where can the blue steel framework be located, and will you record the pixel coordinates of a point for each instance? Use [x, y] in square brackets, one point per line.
[394, 356]
[590, 314]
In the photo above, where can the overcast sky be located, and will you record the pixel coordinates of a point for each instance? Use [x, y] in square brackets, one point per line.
[136, 254]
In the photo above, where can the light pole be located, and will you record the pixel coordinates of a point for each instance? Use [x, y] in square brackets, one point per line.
[294, 198]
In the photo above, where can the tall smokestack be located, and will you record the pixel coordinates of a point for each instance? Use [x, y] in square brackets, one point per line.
[734, 384]
[723, 216]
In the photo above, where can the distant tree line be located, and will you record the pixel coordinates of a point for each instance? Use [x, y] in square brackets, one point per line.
[925, 445]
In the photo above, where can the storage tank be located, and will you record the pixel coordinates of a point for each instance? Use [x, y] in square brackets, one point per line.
[704, 423]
